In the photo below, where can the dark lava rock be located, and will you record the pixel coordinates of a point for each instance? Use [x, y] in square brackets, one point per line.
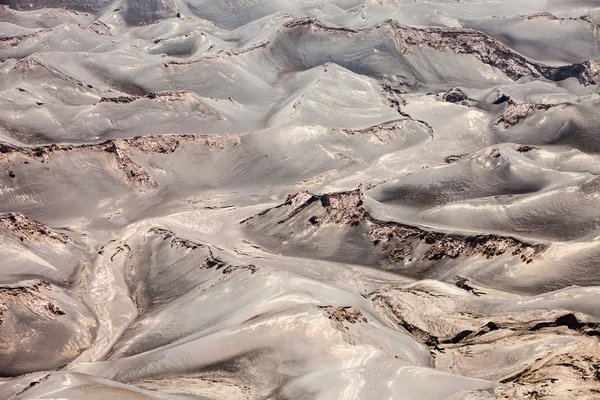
[455, 96]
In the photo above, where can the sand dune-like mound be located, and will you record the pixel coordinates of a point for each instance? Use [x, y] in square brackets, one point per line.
[277, 199]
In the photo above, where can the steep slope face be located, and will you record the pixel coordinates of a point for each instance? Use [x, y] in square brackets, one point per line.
[324, 199]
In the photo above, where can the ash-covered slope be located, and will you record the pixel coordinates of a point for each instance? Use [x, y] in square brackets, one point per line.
[326, 199]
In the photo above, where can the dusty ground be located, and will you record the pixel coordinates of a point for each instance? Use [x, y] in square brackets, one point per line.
[275, 199]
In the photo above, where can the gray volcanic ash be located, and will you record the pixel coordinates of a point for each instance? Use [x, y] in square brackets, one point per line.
[320, 199]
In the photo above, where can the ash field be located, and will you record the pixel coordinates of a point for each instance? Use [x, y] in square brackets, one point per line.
[278, 199]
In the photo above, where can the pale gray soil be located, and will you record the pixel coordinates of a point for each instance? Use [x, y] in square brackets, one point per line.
[284, 199]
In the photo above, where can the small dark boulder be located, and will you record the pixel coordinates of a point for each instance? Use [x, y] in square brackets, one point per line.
[455, 96]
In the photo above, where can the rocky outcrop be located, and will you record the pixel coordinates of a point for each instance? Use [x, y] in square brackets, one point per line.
[466, 41]
[453, 158]
[516, 113]
[137, 176]
[466, 331]
[176, 95]
[389, 132]
[118, 99]
[402, 242]
[347, 208]
[30, 297]
[123, 151]
[209, 261]
[344, 315]
[176, 242]
[28, 230]
[455, 96]
[491, 52]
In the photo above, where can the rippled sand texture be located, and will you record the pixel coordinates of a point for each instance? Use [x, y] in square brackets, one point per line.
[296, 199]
